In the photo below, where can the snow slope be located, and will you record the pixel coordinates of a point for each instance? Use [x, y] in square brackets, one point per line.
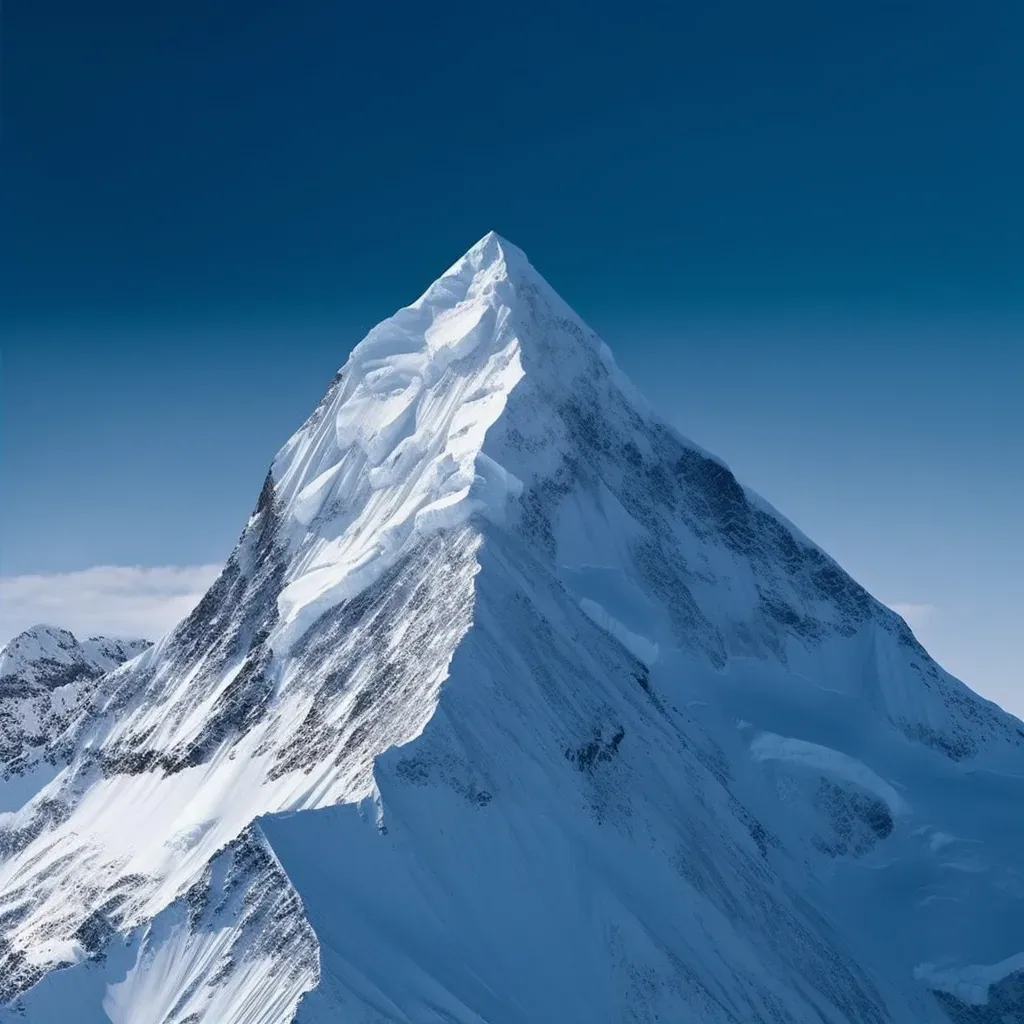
[454, 734]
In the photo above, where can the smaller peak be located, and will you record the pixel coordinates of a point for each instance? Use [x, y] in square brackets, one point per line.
[36, 645]
[45, 629]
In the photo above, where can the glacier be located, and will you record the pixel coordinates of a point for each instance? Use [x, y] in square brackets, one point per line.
[512, 705]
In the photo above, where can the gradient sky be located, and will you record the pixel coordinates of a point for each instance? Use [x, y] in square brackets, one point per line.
[799, 226]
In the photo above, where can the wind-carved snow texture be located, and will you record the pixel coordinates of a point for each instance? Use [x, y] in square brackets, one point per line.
[454, 736]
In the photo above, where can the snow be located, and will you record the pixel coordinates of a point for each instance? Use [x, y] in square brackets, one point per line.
[46, 675]
[646, 650]
[768, 746]
[939, 841]
[454, 735]
[399, 449]
[971, 984]
[38, 653]
[175, 973]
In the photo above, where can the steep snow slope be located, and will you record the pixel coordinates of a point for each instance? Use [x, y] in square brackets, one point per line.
[543, 716]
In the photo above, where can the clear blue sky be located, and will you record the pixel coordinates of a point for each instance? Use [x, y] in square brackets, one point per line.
[799, 226]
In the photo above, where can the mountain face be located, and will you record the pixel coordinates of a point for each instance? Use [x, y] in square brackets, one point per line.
[45, 674]
[512, 705]
[45, 658]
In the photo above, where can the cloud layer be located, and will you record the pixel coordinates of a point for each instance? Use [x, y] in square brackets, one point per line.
[112, 600]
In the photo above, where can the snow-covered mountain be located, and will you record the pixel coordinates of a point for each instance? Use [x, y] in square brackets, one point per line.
[45, 674]
[46, 657]
[511, 705]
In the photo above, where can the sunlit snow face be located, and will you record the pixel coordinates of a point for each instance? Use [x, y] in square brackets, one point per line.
[398, 453]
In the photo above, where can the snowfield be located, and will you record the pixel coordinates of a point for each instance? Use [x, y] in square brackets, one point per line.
[453, 737]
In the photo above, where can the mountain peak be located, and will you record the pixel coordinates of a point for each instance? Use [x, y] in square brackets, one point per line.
[492, 272]
[40, 629]
[411, 439]
[49, 656]
[46, 674]
[37, 643]
[493, 249]
[512, 705]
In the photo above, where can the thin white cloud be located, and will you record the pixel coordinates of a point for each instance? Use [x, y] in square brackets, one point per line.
[917, 616]
[112, 600]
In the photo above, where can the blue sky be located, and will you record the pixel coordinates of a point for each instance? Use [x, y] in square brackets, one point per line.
[797, 226]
